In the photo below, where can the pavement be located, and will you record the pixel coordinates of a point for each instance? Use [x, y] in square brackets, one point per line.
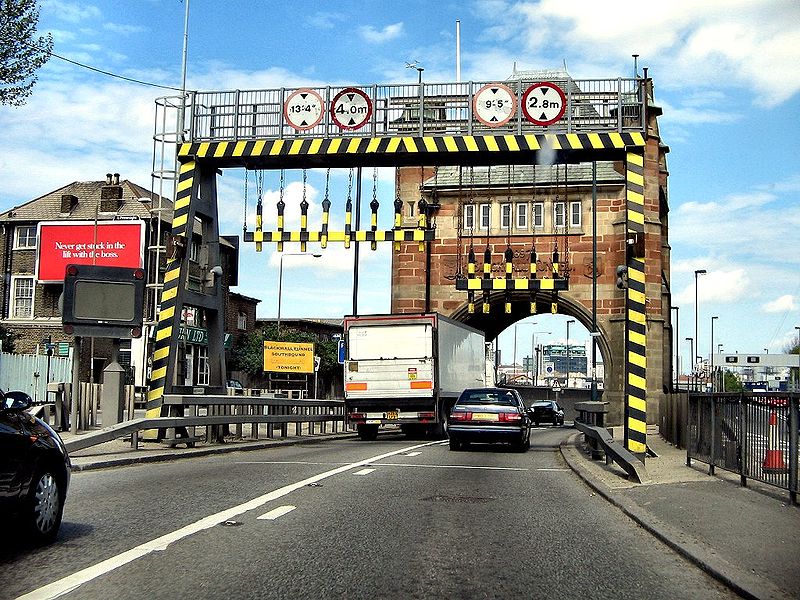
[746, 537]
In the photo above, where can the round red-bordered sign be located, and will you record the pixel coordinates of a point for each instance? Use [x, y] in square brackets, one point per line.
[303, 109]
[494, 104]
[544, 103]
[351, 109]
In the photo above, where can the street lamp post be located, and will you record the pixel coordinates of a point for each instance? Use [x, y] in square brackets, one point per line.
[535, 358]
[712, 352]
[691, 354]
[696, 311]
[568, 322]
[280, 279]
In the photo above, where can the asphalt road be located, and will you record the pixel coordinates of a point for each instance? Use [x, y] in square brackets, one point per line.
[395, 518]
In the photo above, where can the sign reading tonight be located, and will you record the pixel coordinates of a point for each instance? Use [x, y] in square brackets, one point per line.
[105, 243]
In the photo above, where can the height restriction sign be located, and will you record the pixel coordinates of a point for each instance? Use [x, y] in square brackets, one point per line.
[351, 109]
[543, 103]
[303, 109]
[494, 104]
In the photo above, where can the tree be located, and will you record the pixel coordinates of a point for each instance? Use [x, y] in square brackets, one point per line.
[21, 52]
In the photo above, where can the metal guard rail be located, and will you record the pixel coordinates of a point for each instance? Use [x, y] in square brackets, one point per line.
[591, 105]
[212, 404]
[614, 451]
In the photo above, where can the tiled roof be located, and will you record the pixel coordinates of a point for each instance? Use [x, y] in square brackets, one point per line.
[137, 202]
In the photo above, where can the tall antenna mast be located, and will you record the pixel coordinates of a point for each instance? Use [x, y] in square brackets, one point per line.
[458, 51]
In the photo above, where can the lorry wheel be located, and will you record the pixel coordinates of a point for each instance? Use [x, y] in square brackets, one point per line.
[368, 432]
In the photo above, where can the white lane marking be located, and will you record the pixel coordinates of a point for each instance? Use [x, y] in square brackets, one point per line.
[556, 470]
[285, 462]
[72, 582]
[413, 454]
[453, 467]
[364, 472]
[277, 513]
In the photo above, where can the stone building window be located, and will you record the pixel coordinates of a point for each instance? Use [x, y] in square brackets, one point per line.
[538, 215]
[469, 216]
[241, 321]
[522, 216]
[486, 220]
[22, 297]
[575, 215]
[559, 214]
[505, 216]
[25, 236]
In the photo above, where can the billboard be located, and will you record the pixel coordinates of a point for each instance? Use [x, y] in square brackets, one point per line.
[104, 243]
[288, 357]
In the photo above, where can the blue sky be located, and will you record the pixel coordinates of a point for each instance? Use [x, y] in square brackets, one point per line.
[726, 74]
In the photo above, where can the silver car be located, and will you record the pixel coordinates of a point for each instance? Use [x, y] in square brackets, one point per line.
[489, 415]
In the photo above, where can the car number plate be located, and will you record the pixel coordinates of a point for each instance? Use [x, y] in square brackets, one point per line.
[392, 415]
[484, 417]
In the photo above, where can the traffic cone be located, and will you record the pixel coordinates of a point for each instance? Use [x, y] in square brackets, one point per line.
[774, 462]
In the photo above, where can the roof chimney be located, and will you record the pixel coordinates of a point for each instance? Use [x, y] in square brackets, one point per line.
[108, 178]
[116, 178]
[68, 203]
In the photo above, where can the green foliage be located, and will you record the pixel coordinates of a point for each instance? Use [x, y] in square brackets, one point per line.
[732, 382]
[21, 52]
[248, 354]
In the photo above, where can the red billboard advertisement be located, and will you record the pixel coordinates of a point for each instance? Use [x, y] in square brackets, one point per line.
[105, 243]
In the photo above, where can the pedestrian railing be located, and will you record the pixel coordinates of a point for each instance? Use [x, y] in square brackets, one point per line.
[215, 415]
[752, 434]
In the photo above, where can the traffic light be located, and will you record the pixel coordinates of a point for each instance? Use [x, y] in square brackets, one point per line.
[622, 277]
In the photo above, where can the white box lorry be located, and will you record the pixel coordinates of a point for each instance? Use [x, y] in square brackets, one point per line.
[408, 370]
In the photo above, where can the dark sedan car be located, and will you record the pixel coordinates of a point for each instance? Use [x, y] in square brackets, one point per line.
[547, 411]
[489, 415]
[34, 470]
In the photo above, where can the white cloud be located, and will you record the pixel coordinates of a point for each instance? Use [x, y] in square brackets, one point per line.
[123, 29]
[377, 36]
[785, 303]
[719, 285]
[71, 12]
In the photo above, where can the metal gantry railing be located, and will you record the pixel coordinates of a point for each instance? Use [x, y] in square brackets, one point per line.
[752, 434]
[429, 109]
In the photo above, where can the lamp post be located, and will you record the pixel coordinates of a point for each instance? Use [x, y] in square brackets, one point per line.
[677, 339]
[712, 352]
[514, 362]
[535, 358]
[691, 354]
[696, 311]
[797, 376]
[568, 322]
[280, 279]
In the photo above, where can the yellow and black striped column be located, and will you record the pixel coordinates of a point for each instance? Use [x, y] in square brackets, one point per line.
[168, 319]
[635, 322]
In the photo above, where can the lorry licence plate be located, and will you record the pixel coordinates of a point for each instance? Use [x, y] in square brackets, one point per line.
[392, 415]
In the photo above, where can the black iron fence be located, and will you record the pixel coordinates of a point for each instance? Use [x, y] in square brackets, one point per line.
[752, 434]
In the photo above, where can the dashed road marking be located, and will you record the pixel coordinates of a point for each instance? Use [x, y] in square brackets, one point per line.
[72, 582]
[276, 513]
[364, 472]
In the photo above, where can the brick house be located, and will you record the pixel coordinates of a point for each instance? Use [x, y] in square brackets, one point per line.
[29, 308]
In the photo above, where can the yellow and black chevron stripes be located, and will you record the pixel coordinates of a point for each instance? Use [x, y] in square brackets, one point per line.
[183, 195]
[512, 284]
[635, 322]
[227, 152]
[166, 315]
[387, 235]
